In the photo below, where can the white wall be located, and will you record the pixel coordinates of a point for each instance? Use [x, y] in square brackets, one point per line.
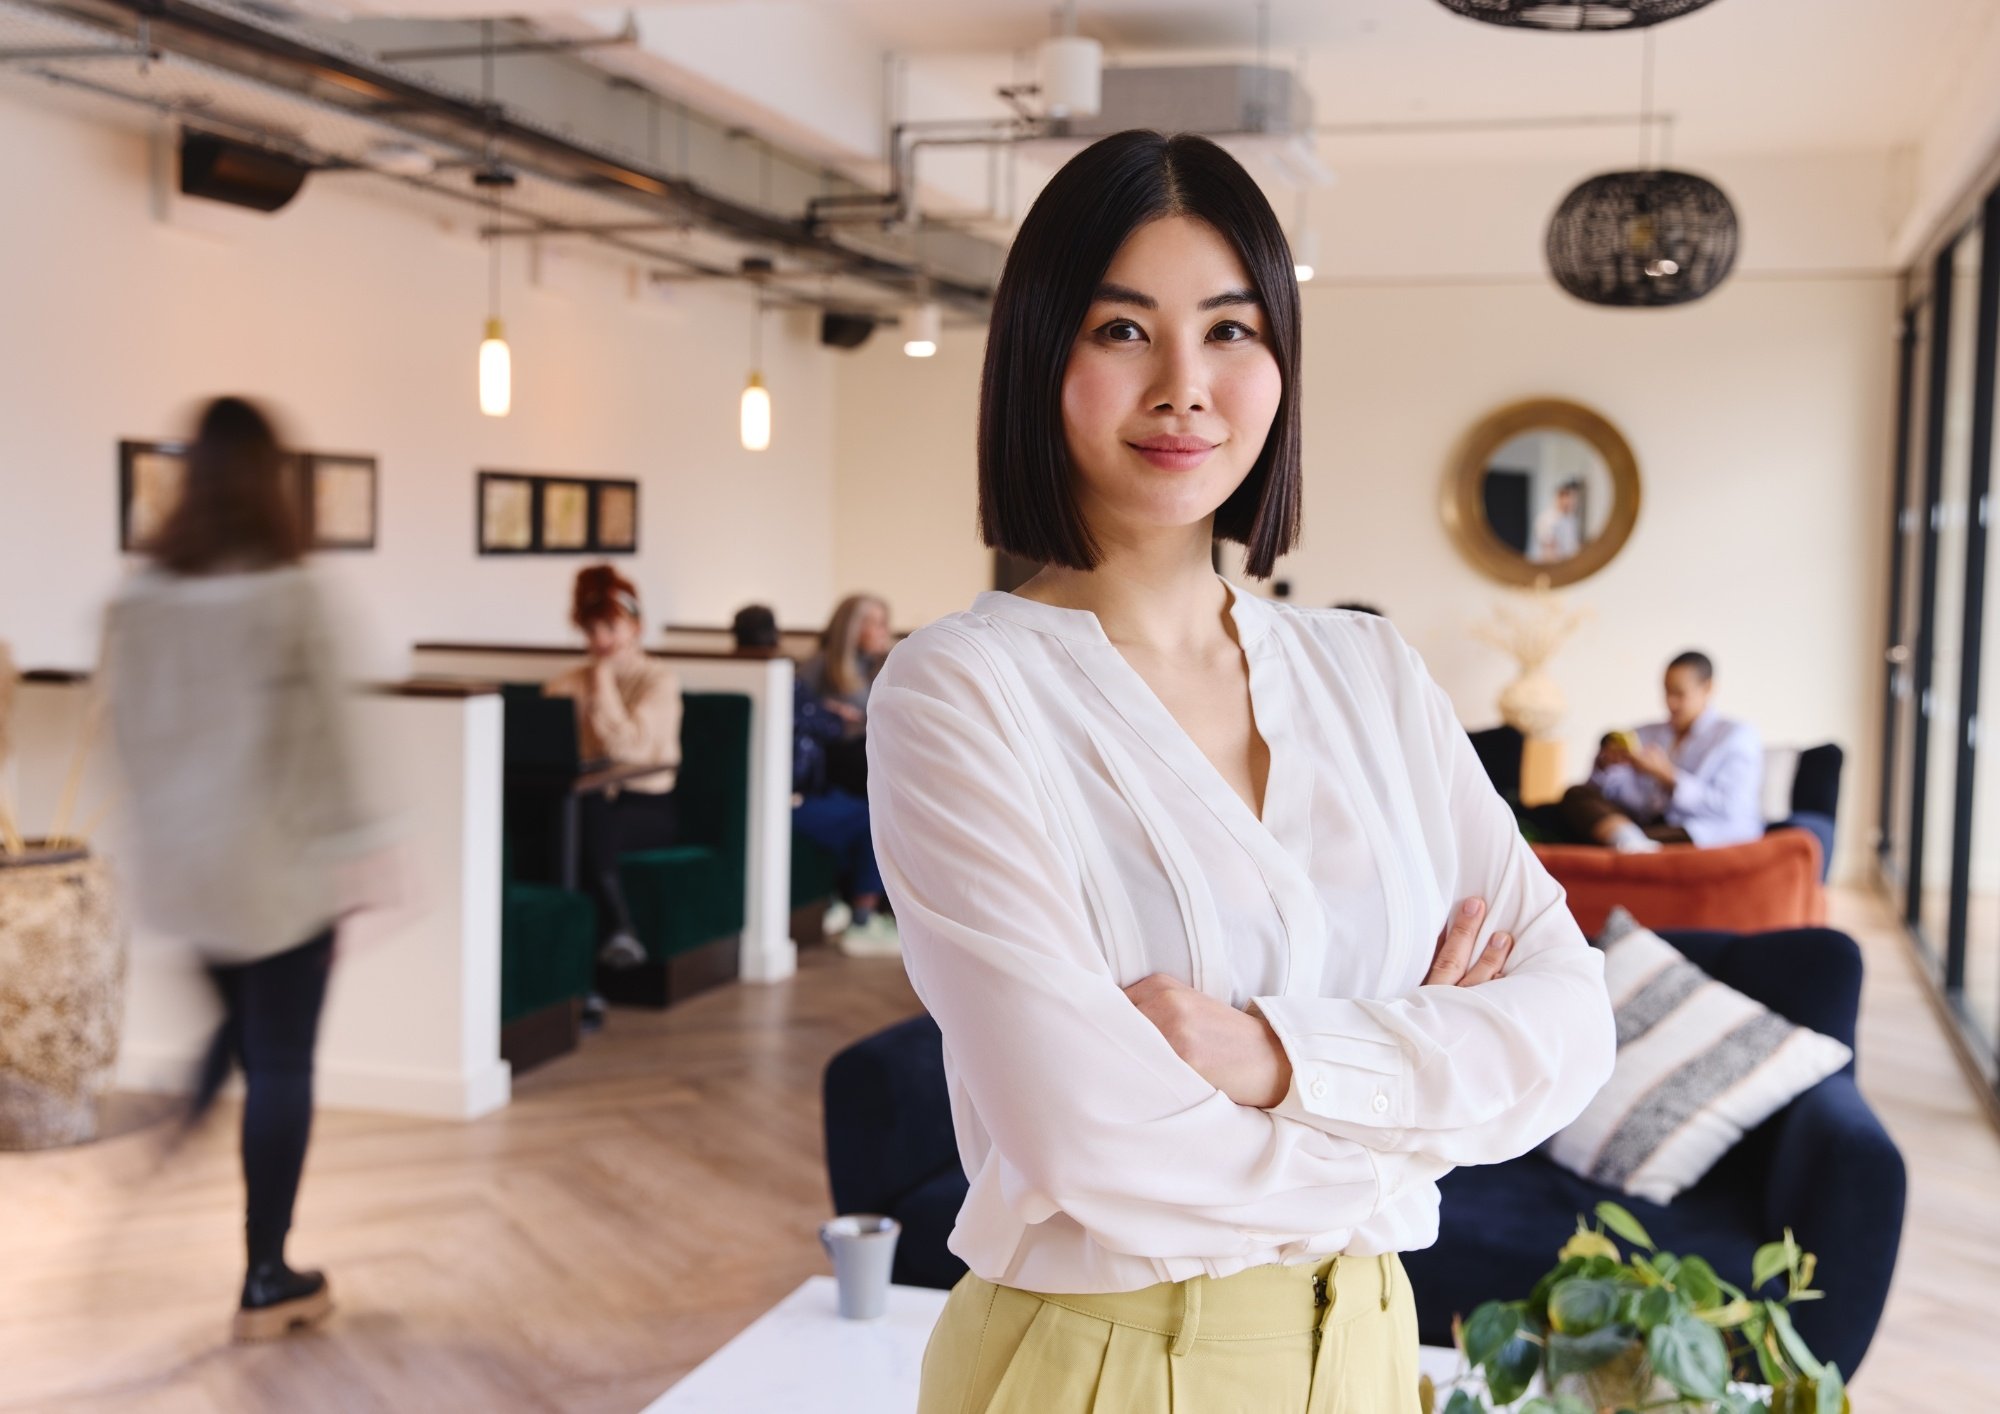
[1760, 418]
[359, 316]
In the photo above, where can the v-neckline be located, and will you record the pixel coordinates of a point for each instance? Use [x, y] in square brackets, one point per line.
[1283, 817]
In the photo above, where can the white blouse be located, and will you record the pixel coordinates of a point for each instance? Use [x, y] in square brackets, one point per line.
[1049, 835]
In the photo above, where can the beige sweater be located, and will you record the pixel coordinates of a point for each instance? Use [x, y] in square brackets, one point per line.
[230, 720]
[635, 726]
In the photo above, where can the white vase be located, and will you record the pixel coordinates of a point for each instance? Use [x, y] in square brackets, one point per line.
[1532, 704]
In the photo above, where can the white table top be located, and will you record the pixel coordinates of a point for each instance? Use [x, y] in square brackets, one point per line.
[802, 1358]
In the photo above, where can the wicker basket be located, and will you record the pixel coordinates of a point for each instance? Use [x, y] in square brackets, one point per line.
[62, 995]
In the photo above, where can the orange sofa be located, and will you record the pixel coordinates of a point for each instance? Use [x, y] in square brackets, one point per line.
[1742, 888]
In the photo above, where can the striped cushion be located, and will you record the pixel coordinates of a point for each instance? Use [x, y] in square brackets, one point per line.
[1699, 1066]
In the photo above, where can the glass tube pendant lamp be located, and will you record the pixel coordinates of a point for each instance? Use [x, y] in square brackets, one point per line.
[926, 324]
[754, 416]
[496, 360]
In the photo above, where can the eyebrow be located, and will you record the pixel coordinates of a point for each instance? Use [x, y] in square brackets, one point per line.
[1124, 294]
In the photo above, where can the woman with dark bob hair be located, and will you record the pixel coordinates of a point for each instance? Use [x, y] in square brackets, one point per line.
[1234, 949]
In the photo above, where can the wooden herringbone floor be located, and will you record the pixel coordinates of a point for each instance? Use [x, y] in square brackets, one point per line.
[644, 1199]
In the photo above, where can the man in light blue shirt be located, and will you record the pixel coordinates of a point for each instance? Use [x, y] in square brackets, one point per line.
[1696, 778]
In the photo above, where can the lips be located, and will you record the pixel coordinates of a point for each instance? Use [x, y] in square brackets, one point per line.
[1174, 453]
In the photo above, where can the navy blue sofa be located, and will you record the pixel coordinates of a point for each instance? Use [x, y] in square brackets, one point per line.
[1824, 1166]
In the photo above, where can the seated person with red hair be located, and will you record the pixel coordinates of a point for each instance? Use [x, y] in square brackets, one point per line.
[628, 713]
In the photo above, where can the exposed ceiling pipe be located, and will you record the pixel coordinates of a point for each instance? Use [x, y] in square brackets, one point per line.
[270, 52]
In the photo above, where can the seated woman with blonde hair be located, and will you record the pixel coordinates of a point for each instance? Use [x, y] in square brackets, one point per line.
[628, 713]
[839, 677]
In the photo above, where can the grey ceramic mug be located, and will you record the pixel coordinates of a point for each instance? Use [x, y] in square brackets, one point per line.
[862, 1246]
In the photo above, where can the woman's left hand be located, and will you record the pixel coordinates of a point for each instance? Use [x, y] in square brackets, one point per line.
[1239, 1054]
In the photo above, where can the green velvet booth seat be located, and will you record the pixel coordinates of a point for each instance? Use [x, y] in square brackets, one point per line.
[548, 943]
[687, 900]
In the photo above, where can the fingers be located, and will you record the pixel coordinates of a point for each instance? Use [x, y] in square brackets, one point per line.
[1454, 952]
[1498, 948]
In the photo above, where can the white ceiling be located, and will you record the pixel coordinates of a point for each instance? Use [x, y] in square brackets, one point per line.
[1740, 75]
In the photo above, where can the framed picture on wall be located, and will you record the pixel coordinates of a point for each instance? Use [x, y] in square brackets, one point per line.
[506, 514]
[151, 478]
[565, 516]
[531, 513]
[340, 500]
[615, 517]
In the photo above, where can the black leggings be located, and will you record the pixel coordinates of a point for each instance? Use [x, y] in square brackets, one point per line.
[270, 1023]
[617, 825]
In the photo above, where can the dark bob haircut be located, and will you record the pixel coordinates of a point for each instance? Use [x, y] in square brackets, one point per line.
[1027, 504]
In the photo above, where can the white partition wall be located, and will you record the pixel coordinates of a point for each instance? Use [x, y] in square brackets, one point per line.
[412, 1023]
[769, 955]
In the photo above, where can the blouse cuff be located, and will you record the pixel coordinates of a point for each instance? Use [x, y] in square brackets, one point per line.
[1346, 1066]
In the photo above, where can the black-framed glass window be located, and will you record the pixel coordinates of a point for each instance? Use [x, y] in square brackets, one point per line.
[1907, 559]
[1972, 973]
[1951, 517]
[1939, 829]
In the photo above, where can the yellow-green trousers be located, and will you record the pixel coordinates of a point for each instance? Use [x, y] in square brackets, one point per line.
[1338, 1337]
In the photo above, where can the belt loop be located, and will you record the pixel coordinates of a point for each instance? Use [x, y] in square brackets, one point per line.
[1388, 1278]
[1190, 1315]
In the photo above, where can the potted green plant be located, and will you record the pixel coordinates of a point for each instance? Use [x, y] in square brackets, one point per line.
[1606, 1333]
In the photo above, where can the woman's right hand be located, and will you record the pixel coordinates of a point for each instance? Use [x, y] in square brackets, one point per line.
[1453, 965]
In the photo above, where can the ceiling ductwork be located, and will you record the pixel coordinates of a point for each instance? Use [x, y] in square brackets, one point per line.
[599, 158]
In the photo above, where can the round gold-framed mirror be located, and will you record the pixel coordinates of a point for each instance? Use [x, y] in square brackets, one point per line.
[1542, 492]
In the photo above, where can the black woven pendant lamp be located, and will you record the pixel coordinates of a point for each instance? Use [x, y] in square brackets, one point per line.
[1574, 15]
[1643, 239]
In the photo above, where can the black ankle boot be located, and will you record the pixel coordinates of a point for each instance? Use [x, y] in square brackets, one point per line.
[277, 1300]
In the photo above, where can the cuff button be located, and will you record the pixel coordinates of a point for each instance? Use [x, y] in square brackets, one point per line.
[1381, 1103]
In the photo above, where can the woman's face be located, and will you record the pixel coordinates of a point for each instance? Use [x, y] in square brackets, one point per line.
[1172, 384]
[609, 637]
[871, 636]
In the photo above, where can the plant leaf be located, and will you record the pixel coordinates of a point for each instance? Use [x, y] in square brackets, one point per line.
[1758, 1330]
[1582, 1304]
[1736, 1313]
[1491, 1327]
[1692, 1356]
[1698, 1282]
[1624, 1224]
[1463, 1403]
[1832, 1393]
[1586, 1243]
[1795, 1346]
[1771, 1261]
[1656, 1308]
[1512, 1370]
